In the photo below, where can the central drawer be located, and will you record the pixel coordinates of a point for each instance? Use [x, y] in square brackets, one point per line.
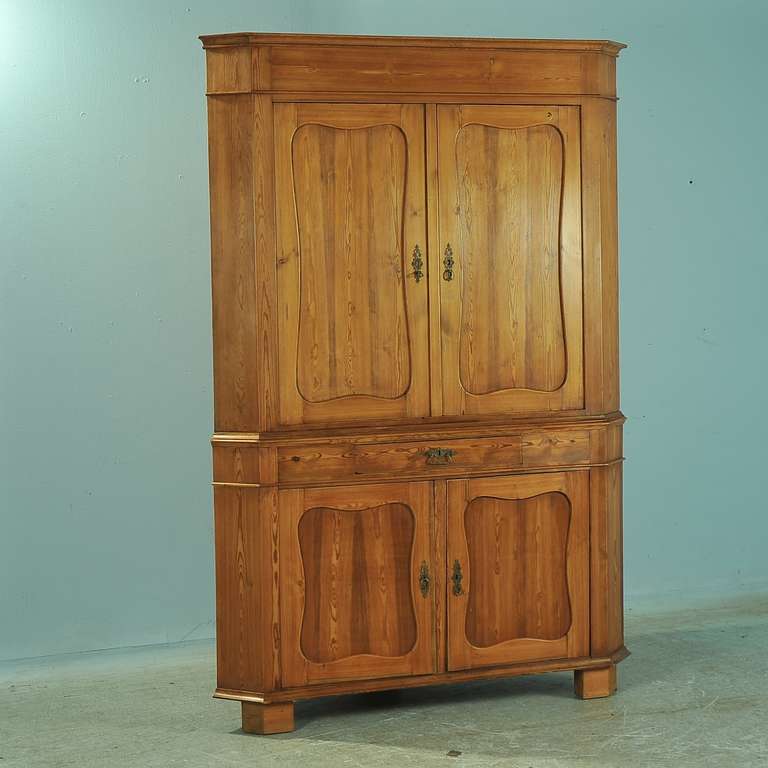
[342, 462]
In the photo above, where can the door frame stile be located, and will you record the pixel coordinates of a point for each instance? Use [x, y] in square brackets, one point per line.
[433, 259]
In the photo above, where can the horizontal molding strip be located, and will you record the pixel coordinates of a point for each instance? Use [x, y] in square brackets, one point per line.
[383, 684]
[414, 432]
[554, 45]
[415, 97]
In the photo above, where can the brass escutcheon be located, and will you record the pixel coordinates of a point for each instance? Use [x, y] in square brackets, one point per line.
[439, 455]
[417, 263]
[456, 578]
[448, 263]
[424, 579]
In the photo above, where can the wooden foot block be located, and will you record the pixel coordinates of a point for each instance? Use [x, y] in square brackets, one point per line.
[267, 718]
[595, 683]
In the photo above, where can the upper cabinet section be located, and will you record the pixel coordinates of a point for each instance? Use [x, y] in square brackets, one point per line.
[351, 244]
[295, 64]
[411, 229]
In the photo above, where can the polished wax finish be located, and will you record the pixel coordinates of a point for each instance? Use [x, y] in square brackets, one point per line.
[417, 456]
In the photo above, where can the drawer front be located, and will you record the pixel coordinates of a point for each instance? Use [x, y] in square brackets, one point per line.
[328, 463]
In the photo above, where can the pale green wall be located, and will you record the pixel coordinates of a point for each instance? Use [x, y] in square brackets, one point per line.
[105, 382]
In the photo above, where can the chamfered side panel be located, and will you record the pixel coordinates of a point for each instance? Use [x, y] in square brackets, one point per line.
[235, 365]
[247, 557]
[352, 288]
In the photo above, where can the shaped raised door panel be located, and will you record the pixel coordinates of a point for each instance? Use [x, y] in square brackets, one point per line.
[518, 561]
[351, 272]
[511, 291]
[356, 597]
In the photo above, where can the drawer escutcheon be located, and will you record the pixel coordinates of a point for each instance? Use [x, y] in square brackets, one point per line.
[439, 455]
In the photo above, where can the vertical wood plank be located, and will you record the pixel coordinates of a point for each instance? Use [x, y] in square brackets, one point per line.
[261, 59]
[448, 123]
[606, 558]
[577, 490]
[235, 367]
[247, 627]
[600, 233]
[415, 231]
[439, 572]
[433, 261]
[265, 311]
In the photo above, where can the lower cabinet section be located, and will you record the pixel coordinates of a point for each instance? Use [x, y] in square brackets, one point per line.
[362, 587]
[355, 582]
[518, 554]
[358, 597]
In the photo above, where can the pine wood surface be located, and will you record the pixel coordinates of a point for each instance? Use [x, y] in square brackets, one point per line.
[519, 619]
[385, 406]
[320, 690]
[351, 604]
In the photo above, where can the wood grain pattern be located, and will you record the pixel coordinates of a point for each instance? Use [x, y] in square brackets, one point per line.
[319, 690]
[595, 683]
[244, 463]
[410, 41]
[353, 329]
[433, 265]
[353, 337]
[545, 565]
[440, 571]
[337, 462]
[357, 574]
[511, 317]
[510, 185]
[601, 287]
[606, 560]
[517, 555]
[267, 718]
[228, 70]
[425, 429]
[337, 627]
[553, 446]
[331, 159]
[247, 562]
[230, 125]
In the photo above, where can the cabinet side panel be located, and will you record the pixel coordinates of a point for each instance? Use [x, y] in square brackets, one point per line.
[247, 632]
[230, 130]
[606, 580]
[265, 353]
[601, 287]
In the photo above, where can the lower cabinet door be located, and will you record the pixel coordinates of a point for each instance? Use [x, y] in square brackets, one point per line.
[356, 598]
[518, 569]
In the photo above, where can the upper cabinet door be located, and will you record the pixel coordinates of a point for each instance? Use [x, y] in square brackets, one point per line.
[351, 262]
[510, 259]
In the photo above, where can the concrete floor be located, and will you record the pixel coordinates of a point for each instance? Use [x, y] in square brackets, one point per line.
[693, 693]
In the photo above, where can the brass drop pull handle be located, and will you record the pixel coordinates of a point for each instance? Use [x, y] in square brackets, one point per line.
[424, 579]
[456, 579]
[417, 263]
[439, 455]
[448, 263]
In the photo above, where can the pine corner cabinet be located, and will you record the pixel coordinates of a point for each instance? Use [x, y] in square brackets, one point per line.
[418, 443]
